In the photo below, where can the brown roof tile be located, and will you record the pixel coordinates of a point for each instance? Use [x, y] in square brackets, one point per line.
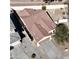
[38, 24]
[28, 12]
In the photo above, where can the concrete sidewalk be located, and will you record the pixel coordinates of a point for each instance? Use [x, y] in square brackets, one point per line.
[15, 43]
[39, 7]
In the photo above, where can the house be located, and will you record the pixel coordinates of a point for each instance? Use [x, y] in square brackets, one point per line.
[36, 2]
[25, 2]
[37, 24]
[57, 1]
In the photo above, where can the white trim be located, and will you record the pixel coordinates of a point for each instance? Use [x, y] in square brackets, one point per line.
[51, 31]
[38, 43]
[15, 43]
[63, 20]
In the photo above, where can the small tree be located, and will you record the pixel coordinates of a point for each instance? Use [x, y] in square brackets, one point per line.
[11, 47]
[43, 7]
[61, 33]
[33, 55]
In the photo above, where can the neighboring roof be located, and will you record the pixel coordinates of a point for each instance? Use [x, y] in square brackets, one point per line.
[26, 0]
[50, 49]
[35, 2]
[38, 24]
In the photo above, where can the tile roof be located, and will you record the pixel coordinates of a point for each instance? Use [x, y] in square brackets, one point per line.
[28, 12]
[38, 23]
